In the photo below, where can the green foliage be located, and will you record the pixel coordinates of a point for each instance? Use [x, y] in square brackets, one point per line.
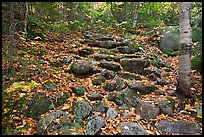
[22, 86]
[197, 63]
[197, 34]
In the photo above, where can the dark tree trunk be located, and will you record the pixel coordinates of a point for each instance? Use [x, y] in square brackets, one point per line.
[11, 47]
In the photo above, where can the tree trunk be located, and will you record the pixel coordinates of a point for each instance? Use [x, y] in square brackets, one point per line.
[160, 11]
[137, 8]
[25, 19]
[10, 50]
[185, 43]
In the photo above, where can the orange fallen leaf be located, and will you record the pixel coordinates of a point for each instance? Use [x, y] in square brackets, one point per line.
[66, 106]
[118, 130]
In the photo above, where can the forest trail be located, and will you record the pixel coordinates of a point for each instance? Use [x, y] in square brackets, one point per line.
[97, 83]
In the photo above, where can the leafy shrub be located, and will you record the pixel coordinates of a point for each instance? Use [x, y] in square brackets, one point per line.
[197, 63]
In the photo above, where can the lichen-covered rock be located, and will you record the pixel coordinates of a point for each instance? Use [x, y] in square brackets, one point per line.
[94, 96]
[120, 84]
[94, 125]
[131, 128]
[98, 80]
[85, 108]
[180, 127]
[104, 56]
[38, 105]
[169, 43]
[154, 70]
[128, 49]
[110, 65]
[127, 75]
[81, 67]
[135, 65]
[127, 96]
[147, 111]
[79, 90]
[111, 113]
[109, 86]
[167, 106]
[108, 74]
[48, 124]
[142, 88]
[100, 106]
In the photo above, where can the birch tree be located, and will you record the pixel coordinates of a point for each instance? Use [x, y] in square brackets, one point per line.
[137, 8]
[185, 43]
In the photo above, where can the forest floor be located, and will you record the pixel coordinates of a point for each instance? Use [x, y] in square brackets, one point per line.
[36, 60]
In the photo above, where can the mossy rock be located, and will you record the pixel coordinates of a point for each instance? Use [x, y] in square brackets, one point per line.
[127, 75]
[38, 105]
[120, 84]
[62, 99]
[109, 86]
[79, 90]
[98, 80]
[81, 67]
[127, 96]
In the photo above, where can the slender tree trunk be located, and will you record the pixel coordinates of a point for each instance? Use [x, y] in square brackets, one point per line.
[185, 43]
[125, 11]
[137, 8]
[25, 19]
[10, 50]
[160, 11]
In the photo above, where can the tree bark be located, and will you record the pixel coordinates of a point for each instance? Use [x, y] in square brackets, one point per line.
[10, 50]
[25, 19]
[160, 11]
[137, 8]
[185, 43]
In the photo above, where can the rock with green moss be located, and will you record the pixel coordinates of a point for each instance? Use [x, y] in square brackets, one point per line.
[130, 49]
[142, 88]
[147, 111]
[110, 86]
[94, 96]
[48, 124]
[110, 65]
[85, 108]
[98, 80]
[81, 67]
[136, 65]
[38, 105]
[127, 75]
[107, 74]
[94, 125]
[169, 42]
[100, 106]
[61, 99]
[120, 84]
[127, 96]
[79, 90]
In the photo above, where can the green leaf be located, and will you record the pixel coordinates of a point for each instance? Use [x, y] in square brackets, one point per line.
[33, 84]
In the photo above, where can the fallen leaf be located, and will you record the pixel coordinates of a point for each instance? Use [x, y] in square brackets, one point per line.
[66, 106]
